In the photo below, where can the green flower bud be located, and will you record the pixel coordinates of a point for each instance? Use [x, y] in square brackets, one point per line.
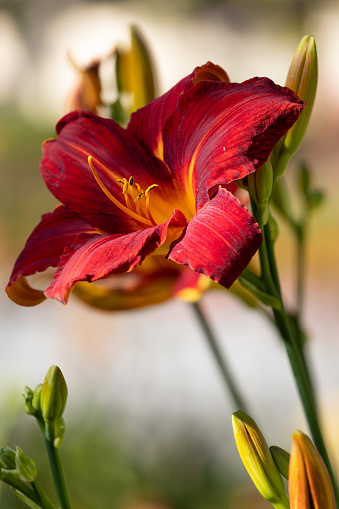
[260, 186]
[7, 455]
[257, 459]
[36, 397]
[28, 397]
[25, 466]
[53, 395]
[281, 459]
[302, 78]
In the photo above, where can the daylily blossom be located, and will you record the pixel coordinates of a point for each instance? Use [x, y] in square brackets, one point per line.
[158, 186]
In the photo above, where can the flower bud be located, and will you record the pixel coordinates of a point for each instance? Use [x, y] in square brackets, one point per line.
[302, 78]
[53, 394]
[260, 186]
[135, 73]
[86, 94]
[28, 397]
[25, 466]
[309, 481]
[281, 459]
[36, 397]
[7, 455]
[257, 459]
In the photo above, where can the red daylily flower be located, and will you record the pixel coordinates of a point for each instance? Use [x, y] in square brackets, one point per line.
[158, 186]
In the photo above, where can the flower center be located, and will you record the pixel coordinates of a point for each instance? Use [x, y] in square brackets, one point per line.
[137, 201]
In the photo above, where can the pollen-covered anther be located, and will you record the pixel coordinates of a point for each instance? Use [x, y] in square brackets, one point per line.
[130, 208]
[136, 199]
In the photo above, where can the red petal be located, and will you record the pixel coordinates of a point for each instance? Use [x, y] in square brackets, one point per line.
[220, 240]
[147, 123]
[100, 256]
[115, 154]
[48, 240]
[221, 132]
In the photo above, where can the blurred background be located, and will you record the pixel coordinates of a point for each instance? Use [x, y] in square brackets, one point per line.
[148, 418]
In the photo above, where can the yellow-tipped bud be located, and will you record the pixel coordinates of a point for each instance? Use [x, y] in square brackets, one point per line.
[53, 395]
[309, 482]
[257, 459]
[302, 78]
[135, 73]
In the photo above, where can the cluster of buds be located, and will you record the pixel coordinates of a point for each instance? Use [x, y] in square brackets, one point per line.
[309, 482]
[47, 404]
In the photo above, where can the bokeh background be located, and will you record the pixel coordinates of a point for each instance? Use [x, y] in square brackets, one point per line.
[148, 418]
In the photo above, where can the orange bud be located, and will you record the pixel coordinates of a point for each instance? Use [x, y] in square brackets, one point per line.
[310, 486]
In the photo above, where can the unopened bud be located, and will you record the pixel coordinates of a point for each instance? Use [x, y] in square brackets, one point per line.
[53, 394]
[7, 455]
[25, 466]
[260, 186]
[302, 78]
[36, 397]
[309, 481]
[281, 459]
[28, 397]
[257, 459]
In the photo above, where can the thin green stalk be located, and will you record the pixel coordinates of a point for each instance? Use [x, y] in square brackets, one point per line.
[46, 503]
[300, 269]
[21, 486]
[57, 469]
[230, 384]
[296, 356]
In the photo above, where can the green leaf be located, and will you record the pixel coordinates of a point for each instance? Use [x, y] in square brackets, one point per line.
[265, 298]
[27, 500]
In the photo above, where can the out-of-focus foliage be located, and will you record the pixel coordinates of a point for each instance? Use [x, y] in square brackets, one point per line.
[113, 468]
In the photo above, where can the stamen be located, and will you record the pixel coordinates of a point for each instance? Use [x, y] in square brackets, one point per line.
[124, 184]
[148, 210]
[122, 207]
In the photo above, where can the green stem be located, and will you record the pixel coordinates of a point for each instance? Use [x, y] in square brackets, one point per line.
[46, 503]
[21, 486]
[219, 357]
[300, 269]
[295, 353]
[57, 469]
